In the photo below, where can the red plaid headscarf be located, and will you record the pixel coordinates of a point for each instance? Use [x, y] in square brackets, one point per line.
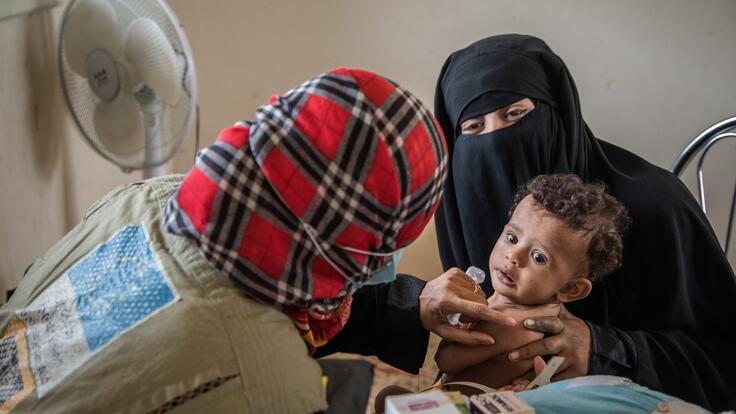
[349, 156]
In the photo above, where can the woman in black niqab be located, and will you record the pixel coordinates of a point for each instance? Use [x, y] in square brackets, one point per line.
[664, 318]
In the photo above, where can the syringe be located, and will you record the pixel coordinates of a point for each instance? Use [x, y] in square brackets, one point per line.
[478, 277]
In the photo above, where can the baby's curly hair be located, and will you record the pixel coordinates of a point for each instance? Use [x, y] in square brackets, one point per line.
[584, 207]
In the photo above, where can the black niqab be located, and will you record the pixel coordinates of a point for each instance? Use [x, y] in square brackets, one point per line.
[665, 317]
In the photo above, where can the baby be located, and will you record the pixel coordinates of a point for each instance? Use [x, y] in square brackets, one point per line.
[562, 236]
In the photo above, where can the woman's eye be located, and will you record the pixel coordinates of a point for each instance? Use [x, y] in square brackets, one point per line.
[516, 114]
[538, 257]
[471, 127]
[511, 238]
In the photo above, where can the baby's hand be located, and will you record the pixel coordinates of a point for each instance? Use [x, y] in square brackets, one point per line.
[518, 387]
[520, 384]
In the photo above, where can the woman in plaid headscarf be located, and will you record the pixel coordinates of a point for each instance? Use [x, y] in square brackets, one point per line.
[298, 209]
[307, 202]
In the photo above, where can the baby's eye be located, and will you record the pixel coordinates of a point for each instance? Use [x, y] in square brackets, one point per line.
[471, 126]
[515, 114]
[538, 257]
[511, 238]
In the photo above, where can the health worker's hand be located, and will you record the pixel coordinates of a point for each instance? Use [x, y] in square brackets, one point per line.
[570, 339]
[455, 292]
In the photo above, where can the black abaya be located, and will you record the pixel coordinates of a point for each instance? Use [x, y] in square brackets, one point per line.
[665, 317]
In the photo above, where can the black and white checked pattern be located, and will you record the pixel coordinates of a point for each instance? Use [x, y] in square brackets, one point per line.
[11, 380]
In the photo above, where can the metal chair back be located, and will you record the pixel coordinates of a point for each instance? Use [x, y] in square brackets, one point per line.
[702, 144]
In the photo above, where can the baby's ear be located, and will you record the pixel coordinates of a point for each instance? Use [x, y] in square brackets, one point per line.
[575, 289]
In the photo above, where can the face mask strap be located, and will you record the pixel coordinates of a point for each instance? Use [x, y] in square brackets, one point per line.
[365, 252]
[312, 234]
[389, 256]
[313, 237]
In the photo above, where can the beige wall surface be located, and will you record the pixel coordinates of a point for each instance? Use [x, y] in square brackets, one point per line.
[651, 75]
[48, 174]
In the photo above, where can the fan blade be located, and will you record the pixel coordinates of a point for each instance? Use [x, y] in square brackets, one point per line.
[92, 24]
[148, 50]
[119, 125]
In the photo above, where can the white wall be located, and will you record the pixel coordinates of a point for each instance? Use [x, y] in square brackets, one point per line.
[651, 75]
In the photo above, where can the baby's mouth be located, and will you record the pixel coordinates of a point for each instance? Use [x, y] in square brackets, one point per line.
[505, 278]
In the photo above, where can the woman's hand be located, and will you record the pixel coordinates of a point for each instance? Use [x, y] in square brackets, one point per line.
[455, 292]
[570, 339]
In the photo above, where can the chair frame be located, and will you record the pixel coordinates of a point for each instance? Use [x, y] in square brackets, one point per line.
[706, 140]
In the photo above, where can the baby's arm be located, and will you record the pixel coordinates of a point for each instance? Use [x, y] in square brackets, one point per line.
[452, 357]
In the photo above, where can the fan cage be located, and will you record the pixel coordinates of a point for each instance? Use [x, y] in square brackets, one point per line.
[176, 121]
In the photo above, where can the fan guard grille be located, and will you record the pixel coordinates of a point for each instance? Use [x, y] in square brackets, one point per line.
[176, 120]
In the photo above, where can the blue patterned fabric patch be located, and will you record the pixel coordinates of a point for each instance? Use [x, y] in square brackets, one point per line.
[117, 286]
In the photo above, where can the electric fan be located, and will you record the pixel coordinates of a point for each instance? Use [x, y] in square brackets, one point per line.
[128, 77]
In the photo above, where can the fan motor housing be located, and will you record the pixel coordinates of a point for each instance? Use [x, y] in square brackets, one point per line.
[103, 75]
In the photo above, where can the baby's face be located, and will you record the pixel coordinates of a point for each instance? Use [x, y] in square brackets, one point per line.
[536, 255]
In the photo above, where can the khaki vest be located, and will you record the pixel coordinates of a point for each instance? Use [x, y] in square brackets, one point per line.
[193, 343]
